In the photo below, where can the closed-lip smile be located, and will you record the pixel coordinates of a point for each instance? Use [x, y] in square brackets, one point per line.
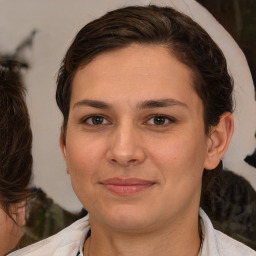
[126, 186]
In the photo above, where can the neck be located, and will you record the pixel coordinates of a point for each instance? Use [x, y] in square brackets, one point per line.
[180, 240]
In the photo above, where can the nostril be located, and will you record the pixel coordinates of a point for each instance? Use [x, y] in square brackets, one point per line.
[113, 160]
[124, 163]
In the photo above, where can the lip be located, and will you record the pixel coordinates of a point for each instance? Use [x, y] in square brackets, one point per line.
[126, 186]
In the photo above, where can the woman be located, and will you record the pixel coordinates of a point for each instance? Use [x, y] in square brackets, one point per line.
[15, 155]
[147, 104]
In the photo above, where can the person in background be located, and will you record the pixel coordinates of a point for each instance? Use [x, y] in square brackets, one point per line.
[147, 110]
[15, 155]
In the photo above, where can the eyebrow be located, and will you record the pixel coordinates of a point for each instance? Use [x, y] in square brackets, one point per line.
[92, 103]
[147, 104]
[161, 103]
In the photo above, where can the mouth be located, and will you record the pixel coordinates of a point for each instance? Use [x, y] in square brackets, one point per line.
[126, 186]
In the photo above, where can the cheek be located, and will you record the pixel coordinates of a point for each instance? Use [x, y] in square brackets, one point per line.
[180, 156]
[83, 157]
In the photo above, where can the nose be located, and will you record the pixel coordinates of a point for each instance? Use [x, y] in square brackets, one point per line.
[126, 147]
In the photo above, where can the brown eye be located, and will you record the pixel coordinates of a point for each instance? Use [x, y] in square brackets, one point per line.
[96, 120]
[160, 120]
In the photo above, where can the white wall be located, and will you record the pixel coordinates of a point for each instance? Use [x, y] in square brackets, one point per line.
[56, 22]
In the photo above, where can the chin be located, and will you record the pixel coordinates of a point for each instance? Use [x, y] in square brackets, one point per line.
[127, 218]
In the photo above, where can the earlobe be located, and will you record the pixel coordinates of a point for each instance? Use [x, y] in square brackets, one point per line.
[218, 140]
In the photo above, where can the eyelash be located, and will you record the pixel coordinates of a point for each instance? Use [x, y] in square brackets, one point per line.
[168, 118]
[85, 120]
[105, 120]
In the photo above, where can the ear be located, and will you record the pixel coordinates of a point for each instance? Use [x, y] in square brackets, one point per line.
[18, 212]
[218, 140]
[63, 143]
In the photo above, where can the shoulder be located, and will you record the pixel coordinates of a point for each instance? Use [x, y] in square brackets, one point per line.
[63, 243]
[217, 243]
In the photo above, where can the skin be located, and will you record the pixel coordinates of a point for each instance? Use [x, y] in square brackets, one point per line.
[11, 233]
[119, 136]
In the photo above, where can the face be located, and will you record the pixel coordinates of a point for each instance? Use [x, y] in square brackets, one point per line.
[10, 233]
[135, 142]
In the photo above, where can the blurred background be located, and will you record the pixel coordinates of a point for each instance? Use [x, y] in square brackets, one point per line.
[238, 17]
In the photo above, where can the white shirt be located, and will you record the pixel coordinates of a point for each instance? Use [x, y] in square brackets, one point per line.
[69, 242]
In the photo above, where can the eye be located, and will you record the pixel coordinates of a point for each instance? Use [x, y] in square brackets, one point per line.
[160, 120]
[95, 120]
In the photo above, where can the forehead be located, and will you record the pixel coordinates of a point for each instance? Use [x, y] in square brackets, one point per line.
[132, 73]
